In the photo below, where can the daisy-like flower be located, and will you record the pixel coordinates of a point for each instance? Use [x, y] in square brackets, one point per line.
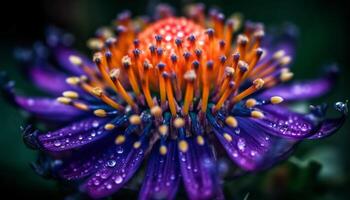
[175, 93]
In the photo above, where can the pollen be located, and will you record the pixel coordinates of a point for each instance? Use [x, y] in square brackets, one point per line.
[135, 119]
[64, 100]
[163, 130]
[257, 114]
[231, 121]
[100, 113]
[276, 99]
[120, 139]
[200, 140]
[179, 122]
[163, 150]
[228, 137]
[183, 146]
[109, 126]
[70, 94]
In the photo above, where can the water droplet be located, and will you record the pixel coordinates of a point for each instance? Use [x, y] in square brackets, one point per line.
[48, 135]
[118, 180]
[253, 153]
[80, 137]
[111, 163]
[95, 124]
[109, 186]
[120, 150]
[30, 102]
[57, 143]
[237, 131]
[96, 182]
[241, 144]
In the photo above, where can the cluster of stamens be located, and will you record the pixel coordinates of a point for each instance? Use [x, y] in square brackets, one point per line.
[176, 67]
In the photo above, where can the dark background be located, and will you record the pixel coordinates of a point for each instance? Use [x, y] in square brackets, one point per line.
[319, 169]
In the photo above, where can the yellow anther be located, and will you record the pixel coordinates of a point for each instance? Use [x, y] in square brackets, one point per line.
[97, 91]
[100, 113]
[228, 137]
[250, 103]
[200, 140]
[179, 122]
[190, 75]
[276, 99]
[70, 94]
[75, 60]
[286, 76]
[258, 83]
[137, 144]
[257, 114]
[135, 119]
[278, 55]
[120, 139]
[95, 44]
[114, 73]
[73, 80]
[285, 60]
[109, 126]
[163, 130]
[81, 106]
[183, 146]
[64, 100]
[163, 150]
[231, 121]
[229, 71]
[156, 111]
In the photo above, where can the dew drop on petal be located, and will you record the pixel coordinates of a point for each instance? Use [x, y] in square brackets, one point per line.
[111, 163]
[57, 143]
[118, 180]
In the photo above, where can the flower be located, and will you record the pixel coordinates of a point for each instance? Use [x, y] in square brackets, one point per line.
[180, 91]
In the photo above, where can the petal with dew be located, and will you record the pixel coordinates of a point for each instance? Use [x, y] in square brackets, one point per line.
[162, 175]
[117, 171]
[198, 169]
[50, 81]
[78, 134]
[48, 109]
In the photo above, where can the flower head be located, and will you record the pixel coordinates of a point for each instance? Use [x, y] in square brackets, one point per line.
[180, 91]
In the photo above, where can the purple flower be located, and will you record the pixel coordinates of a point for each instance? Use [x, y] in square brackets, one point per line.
[173, 94]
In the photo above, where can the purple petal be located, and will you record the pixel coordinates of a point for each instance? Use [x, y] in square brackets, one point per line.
[117, 171]
[162, 176]
[51, 81]
[281, 122]
[48, 109]
[328, 127]
[75, 135]
[251, 147]
[83, 164]
[62, 56]
[198, 169]
[300, 90]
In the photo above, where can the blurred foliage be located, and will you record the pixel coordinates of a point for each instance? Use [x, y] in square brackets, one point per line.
[318, 168]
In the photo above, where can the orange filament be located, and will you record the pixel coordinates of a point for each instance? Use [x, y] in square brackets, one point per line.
[176, 56]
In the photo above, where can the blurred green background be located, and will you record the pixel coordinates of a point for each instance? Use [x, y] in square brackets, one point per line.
[318, 169]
